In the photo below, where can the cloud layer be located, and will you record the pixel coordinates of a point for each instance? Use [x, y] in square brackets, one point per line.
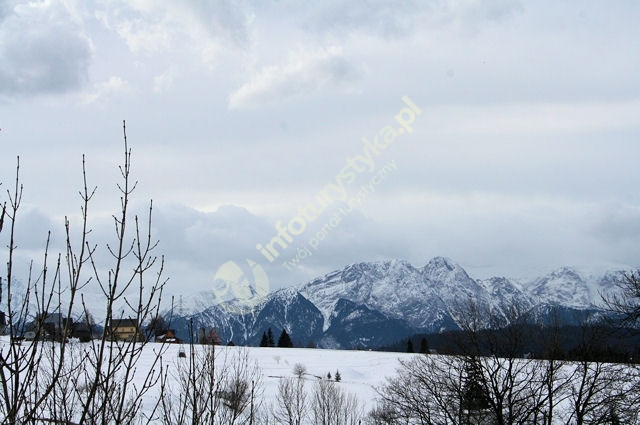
[240, 112]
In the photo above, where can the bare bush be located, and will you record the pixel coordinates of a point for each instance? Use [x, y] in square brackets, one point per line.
[425, 390]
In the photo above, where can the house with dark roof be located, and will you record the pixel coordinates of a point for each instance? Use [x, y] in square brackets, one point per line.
[49, 326]
[124, 330]
[57, 326]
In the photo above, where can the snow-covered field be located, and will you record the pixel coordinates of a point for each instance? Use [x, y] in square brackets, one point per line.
[594, 390]
[361, 371]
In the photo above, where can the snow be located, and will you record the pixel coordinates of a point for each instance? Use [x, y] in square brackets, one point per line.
[361, 371]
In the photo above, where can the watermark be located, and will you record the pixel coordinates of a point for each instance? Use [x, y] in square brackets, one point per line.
[336, 189]
[336, 218]
[240, 291]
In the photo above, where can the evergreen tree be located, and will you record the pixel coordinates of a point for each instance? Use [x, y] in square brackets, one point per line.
[409, 346]
[329, 376]
[264, 342]
[285, 341]
[424, 346]
[270, 342]
[338, 376]
[475, 396]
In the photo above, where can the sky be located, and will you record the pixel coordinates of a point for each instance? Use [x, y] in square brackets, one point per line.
[304, 136]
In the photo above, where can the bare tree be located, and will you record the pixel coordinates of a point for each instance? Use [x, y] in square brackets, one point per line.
[516, 391]
[600, 392]
[291, 402]
[214, 386]
[384, 413]
[491, 382]
[332, 406]
[626, 302]
[425, 390]
[94, 382]
[156, 326]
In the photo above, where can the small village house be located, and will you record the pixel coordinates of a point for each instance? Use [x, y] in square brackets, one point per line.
[124, 330]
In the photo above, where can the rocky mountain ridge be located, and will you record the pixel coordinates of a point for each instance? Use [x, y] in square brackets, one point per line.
[377, 303]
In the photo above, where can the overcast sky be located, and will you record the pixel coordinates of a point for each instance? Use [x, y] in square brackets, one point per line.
[522, 154]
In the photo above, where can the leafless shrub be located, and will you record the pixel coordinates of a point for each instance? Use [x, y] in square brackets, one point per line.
[299, 370]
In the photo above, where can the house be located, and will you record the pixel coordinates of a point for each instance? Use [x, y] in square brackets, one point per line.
[168, 336]
[49, 326]
[57, 326]
[124, 330]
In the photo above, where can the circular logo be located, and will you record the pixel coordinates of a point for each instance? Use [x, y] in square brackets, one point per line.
[236, 290]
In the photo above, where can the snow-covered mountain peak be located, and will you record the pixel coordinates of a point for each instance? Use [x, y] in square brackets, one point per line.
[371, 303]
[451, 281]
[441, 269]
[565, 286]
[438, 263]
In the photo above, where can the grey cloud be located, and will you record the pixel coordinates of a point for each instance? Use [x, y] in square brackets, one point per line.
[223, 18]
[42, 50]
[32, 227]
[197, 243]
[229, 233]
[618, 224]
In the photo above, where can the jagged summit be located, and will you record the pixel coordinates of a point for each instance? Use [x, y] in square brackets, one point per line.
[375, 303]
[563, 286]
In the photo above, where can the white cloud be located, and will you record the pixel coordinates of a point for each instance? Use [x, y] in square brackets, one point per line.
[43, 49]
[105, 89]
[536, 118]
[148, 27]
[164, 81]
[303, 74]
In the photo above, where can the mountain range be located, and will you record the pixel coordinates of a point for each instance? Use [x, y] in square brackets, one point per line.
[378, 303]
